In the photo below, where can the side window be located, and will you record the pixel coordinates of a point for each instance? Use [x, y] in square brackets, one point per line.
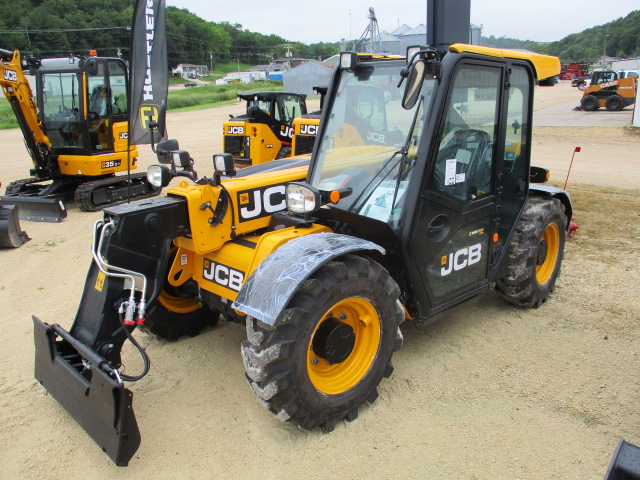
[516, 163]
[466, 150]
[289, 107]
[118, 81]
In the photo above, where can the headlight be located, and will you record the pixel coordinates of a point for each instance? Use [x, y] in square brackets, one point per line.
[159, 176]
[302, 198]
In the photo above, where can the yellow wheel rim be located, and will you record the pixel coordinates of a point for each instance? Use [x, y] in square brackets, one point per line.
[362, 317]
[178, 304]
[550, 242]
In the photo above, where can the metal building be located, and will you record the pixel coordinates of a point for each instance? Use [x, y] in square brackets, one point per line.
[303, 78]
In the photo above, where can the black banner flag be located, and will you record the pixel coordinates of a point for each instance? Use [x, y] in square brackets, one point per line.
[148, 70]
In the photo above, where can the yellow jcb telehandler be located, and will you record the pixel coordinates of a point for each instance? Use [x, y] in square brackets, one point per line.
[406, 209]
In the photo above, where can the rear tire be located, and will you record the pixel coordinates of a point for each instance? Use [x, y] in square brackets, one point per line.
[332, 346]
[614, 103]
[535, 253]
[589, 103]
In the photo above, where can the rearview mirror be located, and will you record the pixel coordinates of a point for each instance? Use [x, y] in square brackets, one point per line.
[415, 77]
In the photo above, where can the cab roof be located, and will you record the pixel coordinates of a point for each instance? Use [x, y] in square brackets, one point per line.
[545, 66]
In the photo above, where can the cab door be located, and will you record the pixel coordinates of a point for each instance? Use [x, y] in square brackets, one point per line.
[458, 230]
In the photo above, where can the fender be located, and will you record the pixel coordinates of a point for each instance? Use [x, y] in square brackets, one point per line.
[270, 287]
[558, 193]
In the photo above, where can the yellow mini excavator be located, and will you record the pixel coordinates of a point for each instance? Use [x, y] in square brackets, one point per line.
[75, 129]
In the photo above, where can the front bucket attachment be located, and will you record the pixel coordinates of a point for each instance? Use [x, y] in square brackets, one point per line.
[37, 209]
[83, 383]
[625, 464]
[11, 236]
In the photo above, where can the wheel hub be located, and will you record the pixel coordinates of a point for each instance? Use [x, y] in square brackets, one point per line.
[542, 252]
[334, 341]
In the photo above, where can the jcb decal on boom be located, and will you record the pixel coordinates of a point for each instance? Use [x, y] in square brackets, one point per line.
[10, 75]
[222, 275]
[461, 259]
[261, 202]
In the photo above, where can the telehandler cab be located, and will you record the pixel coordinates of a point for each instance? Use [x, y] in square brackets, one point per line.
[75, 129]
[405, 210]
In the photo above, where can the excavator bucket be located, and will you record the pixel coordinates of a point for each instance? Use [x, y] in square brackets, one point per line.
[37, 209]
[77, 378]
[11, 236]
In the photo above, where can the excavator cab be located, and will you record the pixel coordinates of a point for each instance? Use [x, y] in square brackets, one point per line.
[264, 132]
[83, 106]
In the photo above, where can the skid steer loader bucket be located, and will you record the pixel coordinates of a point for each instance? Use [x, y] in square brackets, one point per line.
[37, 209]
[11, 236]
[91, 391]
[625, 464]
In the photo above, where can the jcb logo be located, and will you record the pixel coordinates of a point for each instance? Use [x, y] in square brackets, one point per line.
[10, 75]
[222, 275]
[148, 113]
[261, 202]
[461, 259]
[375, 137]
[308, 129]
[235, 130]
[286, 132]
[123, 136]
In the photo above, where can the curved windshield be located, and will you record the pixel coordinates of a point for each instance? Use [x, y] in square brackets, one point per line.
[370, 142]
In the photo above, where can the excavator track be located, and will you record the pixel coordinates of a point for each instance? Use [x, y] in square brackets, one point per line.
[98, 194]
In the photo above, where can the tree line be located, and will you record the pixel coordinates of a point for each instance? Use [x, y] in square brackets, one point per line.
[55, 28]
[619, 38]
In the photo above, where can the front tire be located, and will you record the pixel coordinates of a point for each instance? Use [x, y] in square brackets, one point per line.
[331, 347]
[171, 317]
[535, 253]
[589, 103]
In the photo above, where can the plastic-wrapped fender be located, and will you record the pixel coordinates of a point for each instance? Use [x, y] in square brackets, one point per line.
[270, 287]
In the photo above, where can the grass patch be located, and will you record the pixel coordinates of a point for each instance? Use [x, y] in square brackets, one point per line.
[181, 100]
[206, 96]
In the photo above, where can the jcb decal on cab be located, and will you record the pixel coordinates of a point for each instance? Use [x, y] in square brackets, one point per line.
[261, 202]
[461, 259]
[308, 129]
[235, 130]
[222, 275]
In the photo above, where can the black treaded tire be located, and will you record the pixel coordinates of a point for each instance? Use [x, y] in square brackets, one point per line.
[614, 103]
[535, 253]
[170, 318]
[589, 103]
[283, 364]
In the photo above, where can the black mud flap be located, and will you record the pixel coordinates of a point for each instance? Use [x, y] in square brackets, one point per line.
[625, 464]
[92, 396]
[37, 209]
[11, 236]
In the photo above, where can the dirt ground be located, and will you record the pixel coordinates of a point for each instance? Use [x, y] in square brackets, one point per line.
[489, 392]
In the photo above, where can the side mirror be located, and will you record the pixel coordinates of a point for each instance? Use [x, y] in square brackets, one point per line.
[91, 67]
[415, 77]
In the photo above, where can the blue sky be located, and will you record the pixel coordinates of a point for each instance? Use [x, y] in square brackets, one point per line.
[331, 20]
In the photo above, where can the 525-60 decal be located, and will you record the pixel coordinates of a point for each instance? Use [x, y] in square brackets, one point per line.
[110, 164]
